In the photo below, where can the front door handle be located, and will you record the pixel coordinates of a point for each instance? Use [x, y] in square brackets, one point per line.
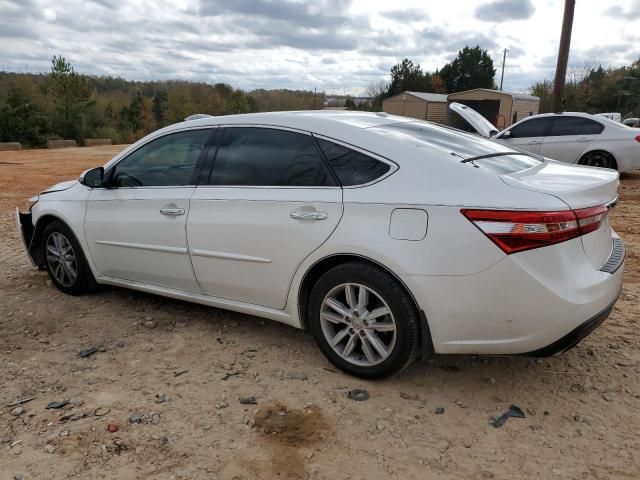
[534, 142]
[172, 211]
[302, 215]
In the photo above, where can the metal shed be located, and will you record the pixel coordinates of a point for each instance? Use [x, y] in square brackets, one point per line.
[425, 106]
[500, 108]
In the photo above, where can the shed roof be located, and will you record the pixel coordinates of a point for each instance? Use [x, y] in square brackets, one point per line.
[426, 96]
[515, 95]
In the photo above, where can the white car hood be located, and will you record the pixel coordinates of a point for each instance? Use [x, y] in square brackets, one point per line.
[60, 186]
[483, 126]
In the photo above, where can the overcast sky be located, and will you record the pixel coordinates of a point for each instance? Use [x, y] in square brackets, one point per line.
[334, 45]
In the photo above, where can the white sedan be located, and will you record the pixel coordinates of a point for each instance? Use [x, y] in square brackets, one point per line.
[570, 137]
[388, 239]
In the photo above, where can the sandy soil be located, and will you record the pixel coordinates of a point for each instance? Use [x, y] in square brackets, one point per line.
[180, 369]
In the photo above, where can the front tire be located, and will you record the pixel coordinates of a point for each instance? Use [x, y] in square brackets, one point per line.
[364, 321]
[65, 261]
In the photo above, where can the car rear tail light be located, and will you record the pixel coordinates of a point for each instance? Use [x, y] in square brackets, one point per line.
[637, 138]
[515, 231]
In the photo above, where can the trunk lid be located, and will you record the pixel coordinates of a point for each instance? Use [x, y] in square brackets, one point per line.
[483, 126]
[578, 187]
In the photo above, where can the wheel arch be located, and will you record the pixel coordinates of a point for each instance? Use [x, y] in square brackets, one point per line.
[321, 266]
[36, 249]
[598, 150]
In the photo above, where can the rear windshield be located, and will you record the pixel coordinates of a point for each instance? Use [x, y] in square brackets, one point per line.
[474, 150]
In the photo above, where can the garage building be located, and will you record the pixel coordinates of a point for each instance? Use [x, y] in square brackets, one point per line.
[425, 106]
[500, 108]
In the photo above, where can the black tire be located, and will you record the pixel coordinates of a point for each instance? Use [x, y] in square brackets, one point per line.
[84, 281]
[407, 323]
[599, 158]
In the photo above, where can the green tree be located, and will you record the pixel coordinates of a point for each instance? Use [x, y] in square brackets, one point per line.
[472, 68]
[407, 75]
[159, 108]
[350, 104]
[179, 104]
[71, 98]
[21, 119]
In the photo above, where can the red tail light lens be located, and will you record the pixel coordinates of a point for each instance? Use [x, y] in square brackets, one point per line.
[638, 138]
[515, 231]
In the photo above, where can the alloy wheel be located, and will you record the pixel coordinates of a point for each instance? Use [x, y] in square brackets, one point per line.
[358, 324]
[599, 159]
[61, 259]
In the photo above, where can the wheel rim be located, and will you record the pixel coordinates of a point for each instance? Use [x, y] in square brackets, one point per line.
[358, 324]
[598, 159]
[61, 259]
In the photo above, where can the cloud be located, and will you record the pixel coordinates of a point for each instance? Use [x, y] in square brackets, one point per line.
[317, 14]
[505, 10]
[619, 13]
[408, 15]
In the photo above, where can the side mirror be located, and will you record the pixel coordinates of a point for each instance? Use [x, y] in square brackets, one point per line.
[93, 178]
[505, 134]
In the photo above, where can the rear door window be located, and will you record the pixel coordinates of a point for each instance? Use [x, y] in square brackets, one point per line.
[574, 126]
[352, 167]
[536, 127]
[251, 156]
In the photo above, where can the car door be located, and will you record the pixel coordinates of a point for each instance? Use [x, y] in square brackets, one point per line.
[136, 228]
[269, 201]
[527, 134]
[569, 136]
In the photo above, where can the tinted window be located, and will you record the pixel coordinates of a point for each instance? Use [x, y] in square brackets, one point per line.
[531, 128]
[165, 161]
[268, 157]
[574, 126]
[351, 167]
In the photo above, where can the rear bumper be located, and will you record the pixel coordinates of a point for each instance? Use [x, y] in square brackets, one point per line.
[25, 227]
[538, 302]
[572, 338]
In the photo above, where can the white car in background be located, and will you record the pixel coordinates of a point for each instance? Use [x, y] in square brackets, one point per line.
[387, 238]
[569, 137]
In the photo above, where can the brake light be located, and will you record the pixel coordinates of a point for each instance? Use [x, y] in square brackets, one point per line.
[515, 231]
[637, 138]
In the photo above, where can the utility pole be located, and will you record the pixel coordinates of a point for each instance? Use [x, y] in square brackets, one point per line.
[504, 59]
[563, 55]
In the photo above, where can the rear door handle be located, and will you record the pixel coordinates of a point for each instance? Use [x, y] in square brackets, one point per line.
[534, 142]
[584, 139]
[172, 211]
[302, 215]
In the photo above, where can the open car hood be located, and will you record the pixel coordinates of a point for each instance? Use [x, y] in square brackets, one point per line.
[483, 126]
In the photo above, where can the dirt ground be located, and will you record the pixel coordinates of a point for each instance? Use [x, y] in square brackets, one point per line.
[178, 371]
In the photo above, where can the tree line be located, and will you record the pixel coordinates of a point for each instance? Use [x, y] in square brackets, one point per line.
[66, 104]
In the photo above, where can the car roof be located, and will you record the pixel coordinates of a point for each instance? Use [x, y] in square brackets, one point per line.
[559, 114]
[303, 120]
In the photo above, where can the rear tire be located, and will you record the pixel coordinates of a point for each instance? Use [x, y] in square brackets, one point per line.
[599, 158]
[65, 261]
[364, 321]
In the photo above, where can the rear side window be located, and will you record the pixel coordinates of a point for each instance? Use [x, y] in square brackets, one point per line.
[536, 127]
[249, 156]
[351, 167]
[166, 161]
[574, 126]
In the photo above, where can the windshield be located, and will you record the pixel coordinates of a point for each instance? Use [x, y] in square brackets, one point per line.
[475, 151]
